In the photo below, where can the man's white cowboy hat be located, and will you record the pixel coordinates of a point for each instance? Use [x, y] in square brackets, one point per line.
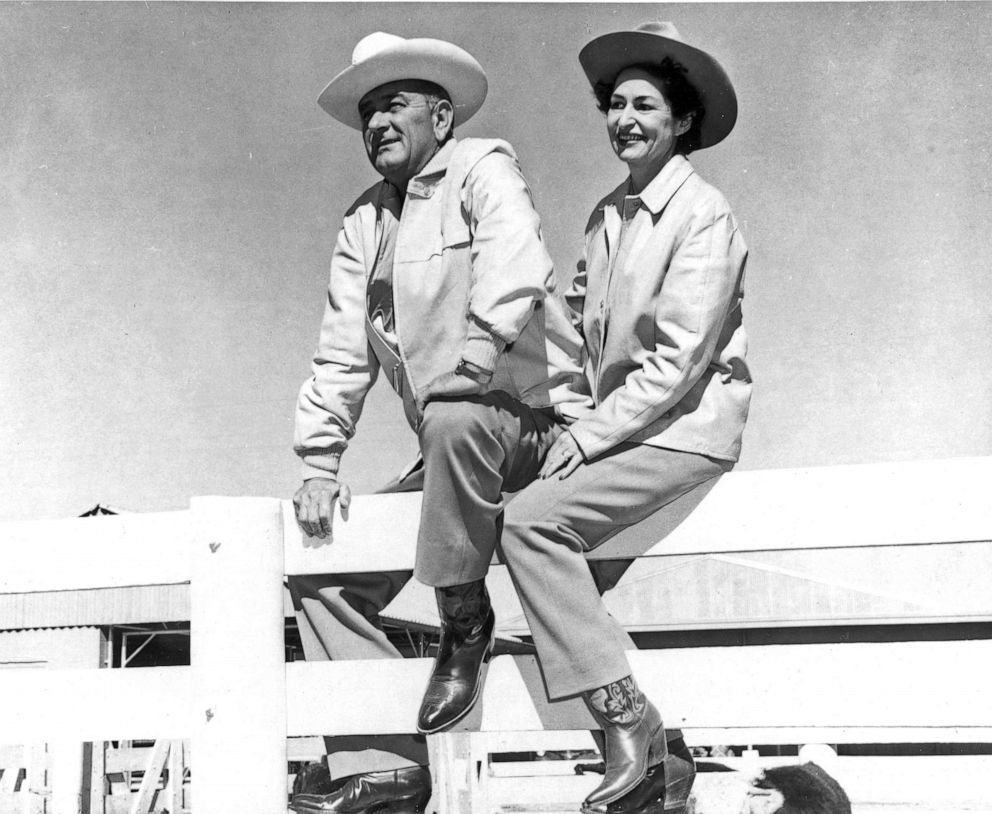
[606, 56]
[380, 58]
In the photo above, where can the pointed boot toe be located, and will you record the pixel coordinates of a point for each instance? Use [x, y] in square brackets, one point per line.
[635, 740]
[468, 632]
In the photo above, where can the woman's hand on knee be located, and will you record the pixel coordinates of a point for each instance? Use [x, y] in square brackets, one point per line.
[563, 458]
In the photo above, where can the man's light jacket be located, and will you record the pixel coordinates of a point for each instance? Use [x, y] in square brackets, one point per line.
[658, 298]
[471, 281]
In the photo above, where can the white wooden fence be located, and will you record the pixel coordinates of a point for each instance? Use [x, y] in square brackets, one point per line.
[238, 701]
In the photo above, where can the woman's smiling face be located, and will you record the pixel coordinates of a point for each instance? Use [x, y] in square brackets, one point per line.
[640, 123]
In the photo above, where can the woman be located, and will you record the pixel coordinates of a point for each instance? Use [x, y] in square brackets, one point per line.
[657, 298]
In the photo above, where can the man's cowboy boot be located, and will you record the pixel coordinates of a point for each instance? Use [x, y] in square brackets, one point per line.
[635, 739]
[664, 789]
[399, 791]
[468, 627]
[314, 778]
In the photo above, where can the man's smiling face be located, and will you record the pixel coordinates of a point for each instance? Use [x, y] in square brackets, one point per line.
[403, 125]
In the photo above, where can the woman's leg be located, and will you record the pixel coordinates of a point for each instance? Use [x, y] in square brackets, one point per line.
[547, 530]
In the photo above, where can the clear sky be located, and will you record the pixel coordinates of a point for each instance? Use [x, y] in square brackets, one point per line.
[171, 193]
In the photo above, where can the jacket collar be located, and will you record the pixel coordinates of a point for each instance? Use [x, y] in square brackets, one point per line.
[656, 195]
[422, 185]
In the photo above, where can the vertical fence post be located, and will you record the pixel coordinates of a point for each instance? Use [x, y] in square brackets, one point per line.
[459, 773]
[238, 656]
[67, 777]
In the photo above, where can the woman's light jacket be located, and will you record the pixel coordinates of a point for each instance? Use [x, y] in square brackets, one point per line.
[662, 327]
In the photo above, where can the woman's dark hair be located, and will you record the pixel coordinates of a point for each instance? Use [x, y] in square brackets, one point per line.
[681, 96]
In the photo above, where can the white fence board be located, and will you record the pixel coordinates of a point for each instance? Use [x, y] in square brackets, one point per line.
[380, 534]
[95, 552]
[912, 691]
[863, 691]
[318, 699]
[906, 503]
[854, 686]
[93, 705]
[237, 653]
[903, 503]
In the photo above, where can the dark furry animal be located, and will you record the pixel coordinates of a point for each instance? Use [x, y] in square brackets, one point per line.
[806, 789]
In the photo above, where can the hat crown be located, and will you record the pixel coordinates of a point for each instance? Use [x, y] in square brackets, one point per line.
[373, 44]
[661, 29]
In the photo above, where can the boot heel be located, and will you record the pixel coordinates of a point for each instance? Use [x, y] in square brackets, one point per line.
[658, 750]
[677, 793]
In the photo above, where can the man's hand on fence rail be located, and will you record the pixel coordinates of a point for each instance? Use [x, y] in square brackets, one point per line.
[314, 502]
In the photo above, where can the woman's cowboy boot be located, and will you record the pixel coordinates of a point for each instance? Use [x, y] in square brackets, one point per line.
[396, 791]
[664, 789]
[635, 739]
[468, 627]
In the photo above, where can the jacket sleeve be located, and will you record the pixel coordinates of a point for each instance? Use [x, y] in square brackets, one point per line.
[697, 294]
[511, 269]
[575, 296]
[344, 369]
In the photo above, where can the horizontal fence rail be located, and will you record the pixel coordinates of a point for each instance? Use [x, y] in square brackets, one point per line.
[238, 700]
[914, 503]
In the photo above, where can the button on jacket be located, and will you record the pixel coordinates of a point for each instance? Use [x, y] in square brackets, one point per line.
[471, 281]
[659, 295]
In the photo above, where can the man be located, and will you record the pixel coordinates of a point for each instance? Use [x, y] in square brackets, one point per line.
[440, 279]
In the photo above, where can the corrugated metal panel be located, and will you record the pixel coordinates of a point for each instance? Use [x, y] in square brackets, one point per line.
[139, 604]
[102, 606]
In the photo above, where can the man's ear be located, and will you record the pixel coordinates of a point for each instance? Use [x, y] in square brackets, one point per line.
[444, 119]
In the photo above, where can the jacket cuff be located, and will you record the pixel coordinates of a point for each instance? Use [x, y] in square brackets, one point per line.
[589, 443]
[482, 348]
[321, 466]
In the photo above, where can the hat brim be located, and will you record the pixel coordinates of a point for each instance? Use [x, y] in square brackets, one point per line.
[442, 63]
[605, 57]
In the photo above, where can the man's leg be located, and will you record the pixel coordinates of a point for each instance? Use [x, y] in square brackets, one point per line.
[474, 449]
[338, 618]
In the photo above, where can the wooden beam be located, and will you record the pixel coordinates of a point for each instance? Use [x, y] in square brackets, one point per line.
[391, 691]
[907, 503]
[95, 552]
[143, 801]
[98, 776]
[917, 687]
[174, 789]
[922, 502]
[912, 686]
[379, 534]
[847, 686]
[67, 776]
[90, 705]
[459, 773]
[239, 704]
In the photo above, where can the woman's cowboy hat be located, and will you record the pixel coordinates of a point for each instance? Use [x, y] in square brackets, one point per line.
[380, 58]
[604, 58]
